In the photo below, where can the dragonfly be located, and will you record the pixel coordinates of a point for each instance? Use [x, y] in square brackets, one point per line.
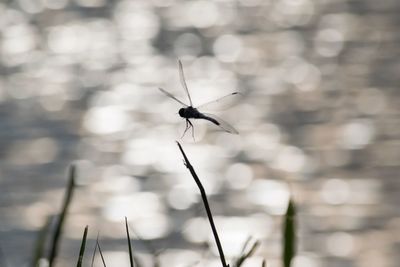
[189, 112]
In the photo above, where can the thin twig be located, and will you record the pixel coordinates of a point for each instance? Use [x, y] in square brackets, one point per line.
[207, 207]
[61, 219]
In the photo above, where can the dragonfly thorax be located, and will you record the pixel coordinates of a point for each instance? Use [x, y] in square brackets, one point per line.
[189, 112]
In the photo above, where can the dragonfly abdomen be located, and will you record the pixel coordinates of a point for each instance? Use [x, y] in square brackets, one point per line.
[202, 116]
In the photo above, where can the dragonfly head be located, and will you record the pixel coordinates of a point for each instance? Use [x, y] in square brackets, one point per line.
[181, 112]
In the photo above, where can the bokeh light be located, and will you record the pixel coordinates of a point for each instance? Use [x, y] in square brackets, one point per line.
[318, 117]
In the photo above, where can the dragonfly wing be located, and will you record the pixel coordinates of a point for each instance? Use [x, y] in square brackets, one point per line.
[221, 103]
[183, 82]
[172, 96]
[222, 124]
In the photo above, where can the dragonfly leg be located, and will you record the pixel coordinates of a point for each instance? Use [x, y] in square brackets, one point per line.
[191, 125]
[187, 128]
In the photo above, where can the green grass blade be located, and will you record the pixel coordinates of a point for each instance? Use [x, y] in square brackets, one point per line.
[101, 254]
[95, 250]
[58, 230]
[155, 253]
[129, 244]
[83, 245]
[40, 243]
[289, 234]
[246, 254]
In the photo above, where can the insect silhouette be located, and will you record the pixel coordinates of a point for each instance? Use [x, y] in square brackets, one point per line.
[189, 112]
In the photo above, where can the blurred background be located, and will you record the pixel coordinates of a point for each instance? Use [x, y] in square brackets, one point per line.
[318, 118]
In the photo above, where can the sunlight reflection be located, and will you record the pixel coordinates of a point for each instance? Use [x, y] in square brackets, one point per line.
[319, 108]
[179, 257]
[306, 261]
[272, 195]
[288, 13]
[68, 39]
[304, 75]
[34, 214]
[119, 258]
[152, 227]
[293, 44]
[118, 185]
[182, 197]
[356, 134]
[236, 230]
[55, 4]
[365, 191]
[36, 151]
[43, 262]
[269, 81]
[106, 120]
[54, 101]
[239, 176]
[188, 44]
[117, 207]
[91, 3]
[31, 6]
[145, 212]
[253, 261]
[232, 144]
[143, 152]
[227, 47]
[196, 230]
[329, 42]
[18, 39]
[371, 101]
[290, 159]
[135, 20]
[340, 244]
[202, 14]
[265, 143]
[335, 191]
[206, 67]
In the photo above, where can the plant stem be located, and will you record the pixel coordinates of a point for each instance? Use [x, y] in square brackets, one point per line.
[207, 207]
